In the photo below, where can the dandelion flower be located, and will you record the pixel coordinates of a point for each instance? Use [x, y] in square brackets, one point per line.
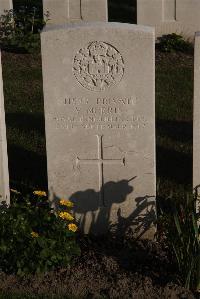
[34, 235]
[66, 203]
[66, 216]
[40, 193]
[73, 227]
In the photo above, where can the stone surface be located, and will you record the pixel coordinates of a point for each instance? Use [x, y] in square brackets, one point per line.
[196, 115]
[5, 5]
[100, 123]
[149, 12]
[66, 11]
[168, 16]
[4, 177]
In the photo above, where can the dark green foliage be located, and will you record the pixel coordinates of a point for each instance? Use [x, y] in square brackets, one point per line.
[180, 226]
[33, 238]
[19, 29]
[29, 3]
[173, 42]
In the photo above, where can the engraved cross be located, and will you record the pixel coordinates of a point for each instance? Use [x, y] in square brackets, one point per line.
[100, 161]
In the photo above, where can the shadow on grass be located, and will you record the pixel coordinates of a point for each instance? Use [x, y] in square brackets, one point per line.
[180, 131]
[27, 169]
[26, 121]
[174, 165]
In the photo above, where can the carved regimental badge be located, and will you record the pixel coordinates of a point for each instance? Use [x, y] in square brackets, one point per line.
[98, 66]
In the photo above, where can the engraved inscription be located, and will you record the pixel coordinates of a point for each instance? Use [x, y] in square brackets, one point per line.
[132, 122]
[100, 161]
[98, 66]
[100, 114]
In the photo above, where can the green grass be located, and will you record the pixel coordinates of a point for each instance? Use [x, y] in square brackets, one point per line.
[25, 121]
[174, 106]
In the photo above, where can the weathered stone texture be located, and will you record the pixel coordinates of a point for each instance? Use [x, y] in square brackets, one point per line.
[100, 123]
[170, 16]
[66, 11]
[5, 5]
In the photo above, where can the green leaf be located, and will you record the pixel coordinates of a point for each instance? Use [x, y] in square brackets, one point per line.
[188, 278]
[195, 226]
[177, 223]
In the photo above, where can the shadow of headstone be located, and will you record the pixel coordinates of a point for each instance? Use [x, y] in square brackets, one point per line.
[88, 202]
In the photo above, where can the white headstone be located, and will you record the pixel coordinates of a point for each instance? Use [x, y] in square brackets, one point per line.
[170, 16]
[5, 5]
[100, 123]
[196, 116]
[4, 177]
[66, 11]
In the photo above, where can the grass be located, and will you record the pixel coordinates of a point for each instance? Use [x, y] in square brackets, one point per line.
[25, 121]
[174, 106]
[25, 115]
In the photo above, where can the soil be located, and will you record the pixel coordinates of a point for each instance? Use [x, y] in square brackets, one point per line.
[108, 267]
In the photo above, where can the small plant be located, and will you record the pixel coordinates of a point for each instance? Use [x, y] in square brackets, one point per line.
[180, 224]
[173, 42]
[19, 29]
[35, 238]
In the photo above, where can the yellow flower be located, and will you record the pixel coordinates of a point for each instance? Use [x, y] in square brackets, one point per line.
[66, 216]
[72, 227]
[40, 193]
[34, 235]
[66, 203]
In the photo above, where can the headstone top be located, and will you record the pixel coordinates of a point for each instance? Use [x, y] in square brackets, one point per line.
[137, 31]
[142, 29]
